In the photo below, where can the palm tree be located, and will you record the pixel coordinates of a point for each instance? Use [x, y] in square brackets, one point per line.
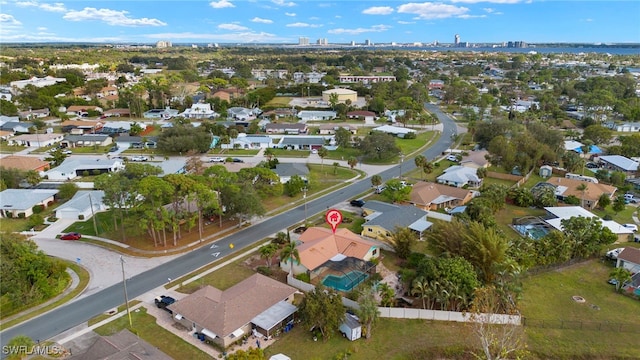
[420, 160]
[322, 152]
[420, 287]
[352, 161]
[621, 275]
[582, 188]
[269, 153]
[368, 311]
[290, 252]
[267, 252]
[376, 180]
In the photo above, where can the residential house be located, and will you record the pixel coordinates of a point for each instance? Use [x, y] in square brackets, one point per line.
[241, 113]
[381, 219]
[227, 94]
[161, 114]
[19, 203]
[16, 126]
[572, 145]
[24, 163]
[82, 110]
[245, 141]
[119, 112]
[330, 129]
[321, 249]
[123, 345]
[315, 115]
[476, 159]
[73, 141]
[555, 215]
[628, 127]
[286, 170]
[34, 114]
[436, 84]
[108, 93]
[5, 135]
[366, 79]
[35, 81]
[83, 205]
[72, 168]
[36, 140]
[432, 196]
[118, 127]
[79, 127]
[136, 142]
[620, 163]
[301, 142]
[589, 198]
[629, 258]
[286, 128]
[224, 317]
[280, 113]
[367, 116]
[341, 95]
[460, 176]
[200, 111]
[394, 130]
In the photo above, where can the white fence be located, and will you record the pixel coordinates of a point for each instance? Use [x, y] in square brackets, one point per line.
[407, 313]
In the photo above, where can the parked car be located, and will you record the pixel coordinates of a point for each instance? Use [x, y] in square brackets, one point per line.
[139, 158]
[113, 149]
[71, 236]
[453, 158]
[67, 152]
[163, 301]
[379, 189]
[613, 281]
[216, 159]
[357, 202]
[592, 165]
[236, 160]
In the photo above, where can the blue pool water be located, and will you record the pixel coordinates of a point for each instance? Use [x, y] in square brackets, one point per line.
[345, 282]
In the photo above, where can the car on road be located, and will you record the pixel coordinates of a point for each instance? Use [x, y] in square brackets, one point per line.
[67, 152]
[163, 301]
[216, 159]
[357, 202]
[113, 149]
[139, 158]
[236, 160]
[71, 236]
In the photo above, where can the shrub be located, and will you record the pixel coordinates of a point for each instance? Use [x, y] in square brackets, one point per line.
[35, 220]
[22, 215]
[38, 209]
[304, 277]
[85, 173]
[410, 135]
[80, 217]
[264, 270]
[607, 217]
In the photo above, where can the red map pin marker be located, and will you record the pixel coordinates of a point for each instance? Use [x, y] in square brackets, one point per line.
[333, 218]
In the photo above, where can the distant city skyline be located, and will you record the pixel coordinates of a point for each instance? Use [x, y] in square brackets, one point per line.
[282, 21]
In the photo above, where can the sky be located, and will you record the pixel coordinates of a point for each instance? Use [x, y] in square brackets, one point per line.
[339, 21]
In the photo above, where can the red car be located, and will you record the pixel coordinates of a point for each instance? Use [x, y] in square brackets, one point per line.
[71, 236]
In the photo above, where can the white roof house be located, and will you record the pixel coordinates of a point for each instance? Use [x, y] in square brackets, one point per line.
[310, 115]
[124, 125]
[620, 162]
[241, 113]
[567, 212]
[200, 111]
[21, 201]
[460, 176]
[37, 82]
[244, 141]
[572, 144]
[394, 130]
[83, 205]
[72, 168]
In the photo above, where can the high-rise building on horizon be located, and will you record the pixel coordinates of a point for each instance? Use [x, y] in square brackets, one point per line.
[163, 44]
[368, 42]
[303, 41]
[456, 40]
[516, 44]
[322, 41]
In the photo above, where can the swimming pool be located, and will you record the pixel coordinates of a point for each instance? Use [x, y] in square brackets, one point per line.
[345, 282]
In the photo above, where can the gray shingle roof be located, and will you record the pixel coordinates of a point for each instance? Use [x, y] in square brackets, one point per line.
[394, 215]
[290, 169]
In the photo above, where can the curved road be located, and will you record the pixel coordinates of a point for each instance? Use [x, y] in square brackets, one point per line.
[70, 315]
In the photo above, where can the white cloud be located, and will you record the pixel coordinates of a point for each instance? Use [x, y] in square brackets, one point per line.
[231, 37]
[489, 10]
[42, 28]
[314, 18]
[338, 17]
[232, 27]
[429, 10]
[358, 31]
[378, 10]
[262, 21]
[304, 25]
[9, 21]
[406, 22]
[52, 7]
[290, 14]
[110, 17]
[489, 1]
[467, 16]
[221, 4]
[284, 3]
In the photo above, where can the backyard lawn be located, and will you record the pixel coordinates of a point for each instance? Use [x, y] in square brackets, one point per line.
[548, 297]
[279, 101]
[144, 325]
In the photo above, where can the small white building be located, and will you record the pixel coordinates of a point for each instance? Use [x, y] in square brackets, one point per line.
[351, 327]
[394, 130]
[311, 115]
[200, 111]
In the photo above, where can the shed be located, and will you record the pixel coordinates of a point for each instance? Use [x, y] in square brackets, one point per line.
[279, 357]
[545, 171]
[351, 327]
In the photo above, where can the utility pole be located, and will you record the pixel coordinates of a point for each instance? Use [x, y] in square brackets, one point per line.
[401, 161]
[126, 297]
[304, 196]
[93, 216]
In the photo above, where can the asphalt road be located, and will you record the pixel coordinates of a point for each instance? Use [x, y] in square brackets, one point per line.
[68, 316]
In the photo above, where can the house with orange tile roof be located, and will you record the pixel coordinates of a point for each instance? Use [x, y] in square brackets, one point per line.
[25, 163]
[589, 198]
[432, 196]
[320, 247]
[224, 317]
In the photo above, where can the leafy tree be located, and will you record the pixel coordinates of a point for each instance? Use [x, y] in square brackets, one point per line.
[335, 167]
[376, 180]
[368, 312]
[403, 239]
[521, 196]
[617, 178]
[379, 146]
[587, 235]
[67, 190]
[352, 162]
[139, 171]
[619, 203]
[294, 186]
[182, 139]
[7, 108]
[322, 309]
[604, 200]
[598, 134]
[264, 181]
[56, 158]
[621, 275]
[343, 137]
[544, 196]
[135, 129]
[242, 201]
[396, 192]
[290, 253]
[572, 161]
